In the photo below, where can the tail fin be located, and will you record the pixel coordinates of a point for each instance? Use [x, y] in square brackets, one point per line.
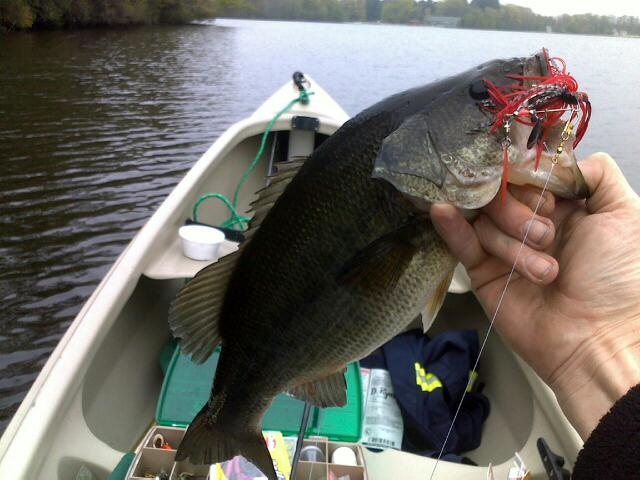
[207, 443]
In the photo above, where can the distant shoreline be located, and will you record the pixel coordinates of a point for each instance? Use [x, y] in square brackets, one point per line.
[211, 22]
[489, 15]
[105, 27]
[415, 25]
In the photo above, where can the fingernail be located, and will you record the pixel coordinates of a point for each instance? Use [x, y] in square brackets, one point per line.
[538, 266]
[444, 210]
[537, 231]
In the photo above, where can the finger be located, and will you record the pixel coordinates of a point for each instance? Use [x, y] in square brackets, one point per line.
[530, 196]
[538, 267]
[463, 242]
[458, 234]
[609, 188]
[517, 220]
[567, 212]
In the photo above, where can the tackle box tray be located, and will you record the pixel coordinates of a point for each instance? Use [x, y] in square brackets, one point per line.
[153, 461]
[187, 386]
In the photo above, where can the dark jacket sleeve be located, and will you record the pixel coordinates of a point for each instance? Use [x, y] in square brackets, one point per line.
[613, 449]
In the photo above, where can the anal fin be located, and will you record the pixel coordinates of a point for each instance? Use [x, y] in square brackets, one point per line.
[329, 391]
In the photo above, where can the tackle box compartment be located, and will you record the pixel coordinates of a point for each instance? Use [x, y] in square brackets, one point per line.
[325, 469]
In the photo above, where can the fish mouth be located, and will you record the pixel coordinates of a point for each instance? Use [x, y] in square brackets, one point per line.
[468, 189]
[556, 169]
[408, 188]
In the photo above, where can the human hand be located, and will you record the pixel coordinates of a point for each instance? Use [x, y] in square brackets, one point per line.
[572, 309]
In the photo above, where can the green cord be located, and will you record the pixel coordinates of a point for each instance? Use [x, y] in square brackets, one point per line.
[236, 218]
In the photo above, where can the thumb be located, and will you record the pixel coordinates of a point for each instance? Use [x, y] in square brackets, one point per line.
[609, 188]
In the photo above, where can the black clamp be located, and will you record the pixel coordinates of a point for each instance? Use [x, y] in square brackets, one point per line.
[302, 83]
[553, 462]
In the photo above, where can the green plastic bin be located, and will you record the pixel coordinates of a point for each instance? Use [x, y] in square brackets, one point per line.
[187, 386]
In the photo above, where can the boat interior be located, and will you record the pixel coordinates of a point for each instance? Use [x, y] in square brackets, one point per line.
[111, 403]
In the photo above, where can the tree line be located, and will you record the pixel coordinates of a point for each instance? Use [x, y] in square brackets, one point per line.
[26, 14]
[482, 14]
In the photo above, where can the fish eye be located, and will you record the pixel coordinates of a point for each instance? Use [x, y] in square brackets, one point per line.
[478, 90]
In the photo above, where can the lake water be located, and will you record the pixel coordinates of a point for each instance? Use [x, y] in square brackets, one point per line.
[97, 126]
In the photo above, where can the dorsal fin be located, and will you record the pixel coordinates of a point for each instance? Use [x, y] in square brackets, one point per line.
[267, 197]
[195, 312]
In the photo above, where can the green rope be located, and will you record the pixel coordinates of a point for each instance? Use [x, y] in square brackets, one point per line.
[235, 218]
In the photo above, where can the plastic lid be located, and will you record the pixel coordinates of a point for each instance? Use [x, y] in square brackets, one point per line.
[187, 385]
[344, 456]
[201, 234]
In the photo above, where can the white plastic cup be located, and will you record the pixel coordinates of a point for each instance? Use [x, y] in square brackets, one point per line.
[344, 456]
[200, 242]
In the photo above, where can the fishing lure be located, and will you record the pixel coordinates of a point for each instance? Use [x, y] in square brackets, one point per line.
[539, 102]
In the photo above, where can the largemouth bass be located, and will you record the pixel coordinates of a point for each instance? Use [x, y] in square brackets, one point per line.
[341, 255]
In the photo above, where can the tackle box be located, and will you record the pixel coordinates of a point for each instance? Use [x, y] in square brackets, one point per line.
[187, 386]
[152, 461]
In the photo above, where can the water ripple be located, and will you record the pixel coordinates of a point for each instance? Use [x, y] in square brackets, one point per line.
[97, 127]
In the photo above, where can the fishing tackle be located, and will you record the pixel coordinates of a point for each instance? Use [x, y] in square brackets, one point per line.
[506, 143]
[191, 476]
[536, 101]
[566, 134]
[536, 133]
[159, 442]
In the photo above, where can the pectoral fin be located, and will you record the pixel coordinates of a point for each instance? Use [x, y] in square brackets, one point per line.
[435, 302]
[382, 262]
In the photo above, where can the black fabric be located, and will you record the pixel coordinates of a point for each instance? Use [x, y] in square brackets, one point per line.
[612, 452]
[427, 415]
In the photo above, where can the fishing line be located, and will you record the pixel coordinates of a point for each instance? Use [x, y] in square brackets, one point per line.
[504, 291]
[303, 428]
